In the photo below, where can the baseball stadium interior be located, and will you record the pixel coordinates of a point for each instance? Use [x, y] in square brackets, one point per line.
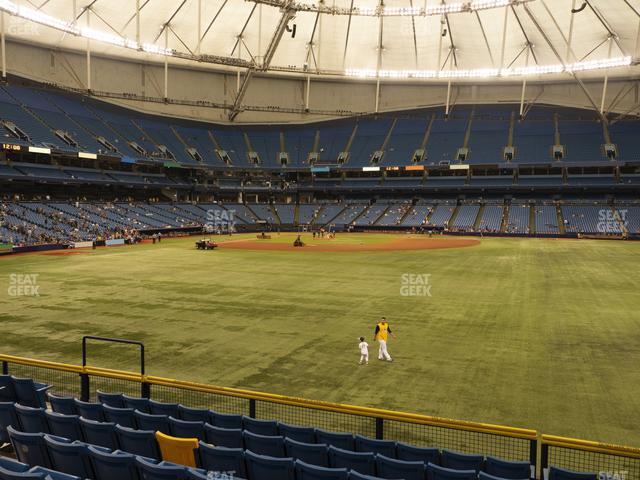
[205, 205]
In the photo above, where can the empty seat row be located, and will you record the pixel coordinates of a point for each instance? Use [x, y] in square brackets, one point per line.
[22, 390]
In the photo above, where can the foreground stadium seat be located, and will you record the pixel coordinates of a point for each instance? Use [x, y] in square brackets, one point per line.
[221, 459]
[177, 450]
[137, 403]
[138, 442]
[111, 399]
[66, 426]
[410, 453]
[434, 472]
[486, 476]
[50, 474]
[8, 417]
[193, 414]
[30, 448]
[185, 429]
[299, 434]
[339, 440]
[261, 427]
[260, 467]
[461, 461]
[160, 471]
[383, 447]
[504, 469]
[305, 471]
[391, 468]
[102, 434]
[157, 423]
[168, 409]
[269, 445]
[312, 453]
[69, 457]
[13, 465]
[362, 462]
[7, 393]
[116, 464]
[30, 393]
[556, 473]
[226, 420]
[90, 411]
[120, 416]
[353, 475]
[6, 474]
[64, 405]
[223, 437]
[32, 420]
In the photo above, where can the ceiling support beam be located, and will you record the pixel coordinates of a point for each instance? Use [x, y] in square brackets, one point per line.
[168, 22]
[346, 38]
[379, 63]
[504, 36]
[606, 80]
[166, 65]
[199, 27]
[138, 21]
[568, 57]
[524, 84]
[524, 34]
[3, 47]
[486, 40]
[415, 39]
[215, 17]
[88, 54]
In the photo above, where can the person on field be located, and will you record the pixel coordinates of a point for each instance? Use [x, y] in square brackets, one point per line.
[364, 351]
[383, 330]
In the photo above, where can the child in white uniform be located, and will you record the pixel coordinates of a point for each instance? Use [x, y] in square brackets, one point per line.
[364, 351]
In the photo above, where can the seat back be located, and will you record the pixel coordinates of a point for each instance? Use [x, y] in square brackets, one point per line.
[67, 426]
[160, 471]
[138, 442]
[157, 423]
[506, 469]
[7, 417]
[90, 411]
[160, 408]
[270, 445]
[363, 462]
[262, 467]
[32, 420]
[13, 465]
[314, 454]
[226, 420]
[69, 457]
[177, 450]
[223, 437]
[337, 439]
[111, 399]
[556, 473]
[118, 465]
[391, 468]
[383, 447]
[8, 392]
[6, 474]
[222, 459]
[410, 453]
[29, 447]
[299, 434]
[435, 472]
[102, 434]
[120, 416]
[305, 471]
[461, 461]
[137, 403]
[193, 414]
[261, 427]
[27, 393]
[184, 429]
[64, 405]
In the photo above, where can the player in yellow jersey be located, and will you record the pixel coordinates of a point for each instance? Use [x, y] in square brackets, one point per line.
[383, 330]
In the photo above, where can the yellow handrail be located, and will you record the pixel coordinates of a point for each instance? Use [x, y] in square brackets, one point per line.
[589, 446]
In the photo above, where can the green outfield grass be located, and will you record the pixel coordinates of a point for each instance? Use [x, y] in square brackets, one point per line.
[533, 333]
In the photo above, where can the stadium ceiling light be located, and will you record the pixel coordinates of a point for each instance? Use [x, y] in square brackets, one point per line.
[491, 72]
[382, 11]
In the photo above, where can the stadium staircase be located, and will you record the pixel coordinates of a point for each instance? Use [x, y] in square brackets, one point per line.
[476, 224]
[505, 219]
[532, 220]
[381, 216]
[407, 211]
[452, 219]
[616, 215]
[561, 228]
[296, 214]
[274, 212]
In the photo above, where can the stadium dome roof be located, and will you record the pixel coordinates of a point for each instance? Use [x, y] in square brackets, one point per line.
[425, 39]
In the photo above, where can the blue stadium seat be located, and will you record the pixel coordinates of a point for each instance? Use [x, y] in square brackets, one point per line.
[340, 440]
[138, 442]
[102, 434]
[556, 473]
[434, 472]
[8, 392]
[157, 423]
[361, 462]
[29, 447]
[161, 408]
[410, 453]
[461, 461]
[185, 429]
[6, 474]
[120, 416]
[66, 426]
[160, 471]
[261, 427]
[137, 403]
[223, 437]
[383, 447]
[111, 399]
[69, 457]
[64, 405]
[270, 445]
[117, 465]
[193, 414]
[30, 393]
[90, 411]
[260, 467]
[486, 476]
[391, 468]
[353, 475]
[222, 459]
[32, 420]
[198, 474]
[7, 417]
[505, 469]
[225, 420]
[305, 471]
[299, 434]
[53, 474]
[313, 453]
[13, 465]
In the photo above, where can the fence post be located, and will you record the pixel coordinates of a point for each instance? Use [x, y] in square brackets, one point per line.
[252, 407]
[85, 390]
[379, 428]
[533, 455]
[5, 368]
[145, 390]
[544, 460]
